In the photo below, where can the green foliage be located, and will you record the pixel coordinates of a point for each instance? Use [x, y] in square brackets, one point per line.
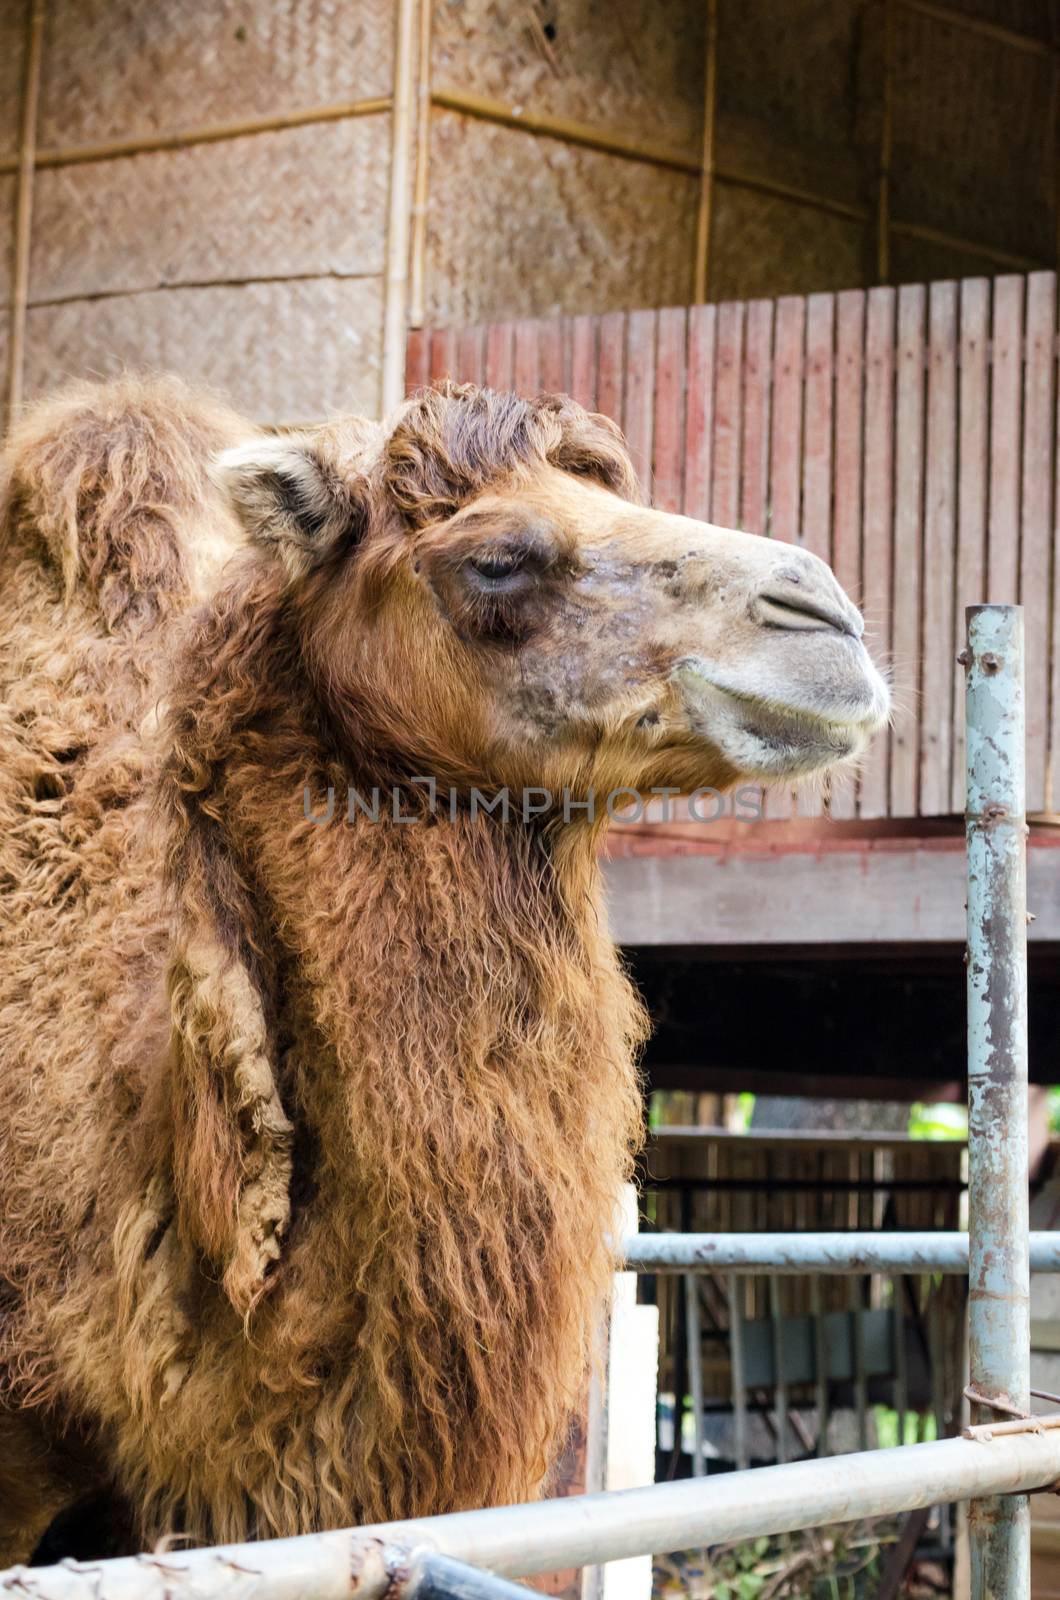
[938, 1122]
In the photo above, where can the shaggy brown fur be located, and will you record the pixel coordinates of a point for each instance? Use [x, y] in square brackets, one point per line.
[311, 1137]
[423, 1026]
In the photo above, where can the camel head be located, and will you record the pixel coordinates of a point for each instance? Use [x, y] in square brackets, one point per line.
[481, 594]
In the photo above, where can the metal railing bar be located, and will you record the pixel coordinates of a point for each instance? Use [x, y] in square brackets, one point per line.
[580, 1530]
[807, 1253]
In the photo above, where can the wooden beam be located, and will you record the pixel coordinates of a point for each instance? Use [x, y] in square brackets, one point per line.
[421, 181]
[395, 304]
[867, 897]
[701, 272]
[24, 209]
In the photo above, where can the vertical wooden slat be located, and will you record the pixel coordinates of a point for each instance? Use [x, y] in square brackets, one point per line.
[973, 455]
[611, 368]
[878, 521]
[417, 360]
[936, 709]
[551, 373]
[786, 446]
[754, 450]
[1035, 530]
[499, 339]
[1006, 373]
[815, 522]
[786, 454]
[443, 353]
[699, 412]
[638, 401]
[725, 485]
[525, 380]
[908, 540]
[471, 354]
[583, 361]
[846, 513]
[668, 450]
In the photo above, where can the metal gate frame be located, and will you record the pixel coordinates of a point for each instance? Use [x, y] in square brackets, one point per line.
[995, 1464]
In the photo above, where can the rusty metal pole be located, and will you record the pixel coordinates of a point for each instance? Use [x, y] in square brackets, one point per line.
[998, 1246]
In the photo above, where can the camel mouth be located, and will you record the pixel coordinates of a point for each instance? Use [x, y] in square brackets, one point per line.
[803, 729]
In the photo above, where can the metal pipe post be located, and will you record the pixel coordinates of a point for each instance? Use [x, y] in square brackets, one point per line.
[998, 1254]
[795, 1254]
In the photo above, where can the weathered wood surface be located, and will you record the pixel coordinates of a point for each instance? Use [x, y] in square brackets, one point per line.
[908, 436]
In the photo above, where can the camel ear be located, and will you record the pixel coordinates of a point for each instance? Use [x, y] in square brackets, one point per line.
[232, 1142]
[293, 497]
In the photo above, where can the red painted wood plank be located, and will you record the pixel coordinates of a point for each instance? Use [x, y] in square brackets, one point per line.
[417, 360]
[878, 521]
[1006, 375]
[1036, 523]
[785, 476]
[815, 525]
[846, 511]
[973, 448]
[611, 365]
[699, 411]
[551, 368]
[471, 354]
[786, 447]
[499, 340]
[583, 361]
[638, 401]
[668, 448]
[940, 539]
[443, 353]
[525, 381]
[908, 538]
[728, 422]
[757, 393]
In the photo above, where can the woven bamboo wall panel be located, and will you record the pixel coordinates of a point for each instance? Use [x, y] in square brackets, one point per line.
[281, 352]
[920, 260]
[764, 245]
[974, 137]
[12, 47]
[120, 68]
[533, 224]
[908, 436]
[1038, 19]
[308, 200]
[796, 89]
[637, 65]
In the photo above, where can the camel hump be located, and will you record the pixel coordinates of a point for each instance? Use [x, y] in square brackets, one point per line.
[108, 483]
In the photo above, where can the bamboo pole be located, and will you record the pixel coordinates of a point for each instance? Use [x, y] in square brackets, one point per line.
[883, 192]
[986, 30]
[701, 274]
[1004, 258]
[567, 129]
[421, 183]
[789, 191]
[397, 244]
[210, 133]
[24, 209]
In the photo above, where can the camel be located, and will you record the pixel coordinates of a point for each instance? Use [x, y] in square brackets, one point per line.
[314, 1121]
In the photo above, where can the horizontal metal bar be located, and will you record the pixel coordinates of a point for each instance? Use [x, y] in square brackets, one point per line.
[436, 1577]
[798, 1253]
[580, 1530]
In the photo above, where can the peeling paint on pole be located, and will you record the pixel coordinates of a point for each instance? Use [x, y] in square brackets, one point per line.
[999, 1268]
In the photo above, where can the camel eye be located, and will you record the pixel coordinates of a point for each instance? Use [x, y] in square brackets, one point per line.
[498, 565]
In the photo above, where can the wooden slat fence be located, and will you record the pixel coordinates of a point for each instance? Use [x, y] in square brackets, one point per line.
[908, 436]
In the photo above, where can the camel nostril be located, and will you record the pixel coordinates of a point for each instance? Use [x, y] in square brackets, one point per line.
[805, 613]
